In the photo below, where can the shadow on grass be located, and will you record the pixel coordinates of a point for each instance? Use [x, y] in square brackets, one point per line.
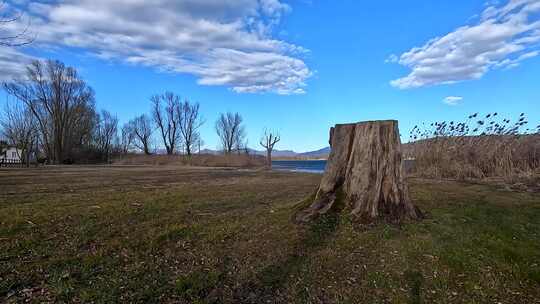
[267, 282]
[415, 281]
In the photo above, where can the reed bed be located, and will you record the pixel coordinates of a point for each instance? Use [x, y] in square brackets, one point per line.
[482, 146]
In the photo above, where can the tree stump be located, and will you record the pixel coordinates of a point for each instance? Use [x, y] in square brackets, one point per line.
[365, 170]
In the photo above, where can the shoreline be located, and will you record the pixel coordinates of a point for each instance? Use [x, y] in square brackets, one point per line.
[299, 159]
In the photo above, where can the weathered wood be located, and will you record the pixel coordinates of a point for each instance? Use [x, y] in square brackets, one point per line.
[365, 166]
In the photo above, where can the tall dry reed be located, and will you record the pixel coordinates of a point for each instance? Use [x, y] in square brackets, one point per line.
[480, 147]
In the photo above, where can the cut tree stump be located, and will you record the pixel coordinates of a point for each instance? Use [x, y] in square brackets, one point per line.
[365, 170]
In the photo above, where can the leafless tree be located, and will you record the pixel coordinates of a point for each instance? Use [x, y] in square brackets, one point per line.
[61, 102]
[165, 111]
[3, 146]
[142, 133]
[126, 138]
[230, 131]
[81, 136]
[268, 140]
[106, 133]
[8, 38]
[200, 143]
[190, 122]
[19, 127]
[241, 145]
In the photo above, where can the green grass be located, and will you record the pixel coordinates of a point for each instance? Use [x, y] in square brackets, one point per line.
[172, 235]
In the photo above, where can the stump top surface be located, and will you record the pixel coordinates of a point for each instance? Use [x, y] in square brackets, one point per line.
[368, 122]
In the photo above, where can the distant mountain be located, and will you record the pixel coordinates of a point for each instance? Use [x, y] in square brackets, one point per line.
[208, 151]
[275, 153]
[282, 153]
[322, 153]
[289, 154]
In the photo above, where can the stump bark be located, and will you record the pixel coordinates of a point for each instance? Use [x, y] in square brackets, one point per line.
[365, 170]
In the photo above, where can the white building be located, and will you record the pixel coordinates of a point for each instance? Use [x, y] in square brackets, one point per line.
[10, 155]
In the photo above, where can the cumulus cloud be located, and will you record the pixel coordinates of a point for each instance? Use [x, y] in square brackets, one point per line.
[452, 100]
[503, 37]
[222, 42]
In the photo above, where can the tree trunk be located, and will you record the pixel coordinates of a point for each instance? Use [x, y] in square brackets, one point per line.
[364, 169]
[269, 158]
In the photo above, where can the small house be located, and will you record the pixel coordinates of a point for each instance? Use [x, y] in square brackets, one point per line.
[10, 154]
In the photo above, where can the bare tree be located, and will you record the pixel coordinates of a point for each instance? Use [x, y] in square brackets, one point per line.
[165, 111]
[126, 138]
[19, 127]
[200, 143]
[106, 133]
[241, 144]
[268, 140]
[142, 133]
[190, 122]
[80, 137]
[61, 102]
[8, 38]
[230, 131]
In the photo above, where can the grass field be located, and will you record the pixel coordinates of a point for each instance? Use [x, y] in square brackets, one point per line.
[181, 235]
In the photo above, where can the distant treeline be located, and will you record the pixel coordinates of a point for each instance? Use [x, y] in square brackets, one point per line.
[55, 120]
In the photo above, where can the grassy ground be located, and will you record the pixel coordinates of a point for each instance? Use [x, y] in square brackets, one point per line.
[162, 234]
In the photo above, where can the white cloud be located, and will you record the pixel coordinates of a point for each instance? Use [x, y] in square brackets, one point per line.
[12, 63]
[452, 100]
[393, 58]
[503, 37]
[222, 42]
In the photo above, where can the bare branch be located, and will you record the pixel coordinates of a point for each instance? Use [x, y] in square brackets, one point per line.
[18, 39]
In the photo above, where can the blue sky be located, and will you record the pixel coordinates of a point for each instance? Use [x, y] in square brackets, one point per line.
[297, 66]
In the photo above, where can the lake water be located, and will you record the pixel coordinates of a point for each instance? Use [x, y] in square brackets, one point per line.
[310, 166]
[316, 166]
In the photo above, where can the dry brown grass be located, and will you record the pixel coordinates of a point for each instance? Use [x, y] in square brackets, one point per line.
[200, 160]
[488, 148]
[478, 156]
[169, 234]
